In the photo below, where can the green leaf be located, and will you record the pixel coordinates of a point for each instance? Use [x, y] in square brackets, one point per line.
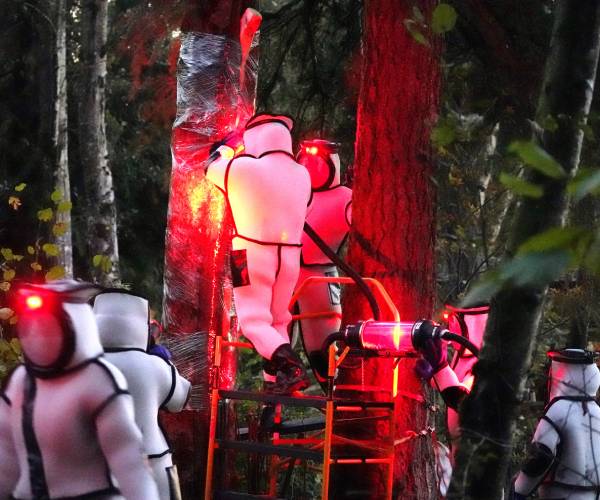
[483, 290]
[443, 19]
[45, 215]
[537, 158]
[7, 253]
[552, 239]
[549, 123]
[521, 186]
[64, 206]
[106, 264]
[97, 260]
[30, 250]
[443, 134]
[59, 229]
[412, 28]
[50, 249]
[585, 182]
[536, 269]
[20, 187]
[55, 273]
[56, 196]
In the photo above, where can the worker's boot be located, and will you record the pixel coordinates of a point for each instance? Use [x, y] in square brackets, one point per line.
[289, 370]
[320, 365]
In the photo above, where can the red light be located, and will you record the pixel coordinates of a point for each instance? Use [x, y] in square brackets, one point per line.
[313, 150]
[446, 315]
[34, 302]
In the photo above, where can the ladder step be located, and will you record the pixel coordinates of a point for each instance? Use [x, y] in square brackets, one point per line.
[306, 401]
[271, 449]
[234, 495]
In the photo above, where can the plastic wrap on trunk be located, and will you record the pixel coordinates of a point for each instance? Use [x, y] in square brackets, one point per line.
[197, 284]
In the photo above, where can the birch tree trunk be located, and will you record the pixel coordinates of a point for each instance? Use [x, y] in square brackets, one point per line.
[61, 142]
[100, 209]
[488, 414]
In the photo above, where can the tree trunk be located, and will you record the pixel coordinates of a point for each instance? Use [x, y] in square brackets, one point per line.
[197, 284]
[100, 209]
[392, 235]
[61, 142]
[488, 414]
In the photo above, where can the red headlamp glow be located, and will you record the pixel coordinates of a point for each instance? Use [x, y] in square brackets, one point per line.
[34, 302]
[312, 150]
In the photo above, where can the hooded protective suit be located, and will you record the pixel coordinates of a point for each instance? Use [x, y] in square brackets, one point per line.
[66, 416]
[564, 458]
[329, 215]
[153, 382]
[268, 193]
[471, 324]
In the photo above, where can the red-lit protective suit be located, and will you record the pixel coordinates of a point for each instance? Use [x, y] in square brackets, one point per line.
[268, 193]
[329, 214]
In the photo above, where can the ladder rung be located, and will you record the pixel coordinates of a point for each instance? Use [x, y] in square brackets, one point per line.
[309, 401]
[270, 449]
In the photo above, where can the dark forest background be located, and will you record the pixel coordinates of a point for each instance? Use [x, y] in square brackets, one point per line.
[492, 67]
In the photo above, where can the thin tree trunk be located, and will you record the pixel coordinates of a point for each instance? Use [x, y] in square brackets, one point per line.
[488, 414]
[392, 235]
[100, 209]
[61, 144]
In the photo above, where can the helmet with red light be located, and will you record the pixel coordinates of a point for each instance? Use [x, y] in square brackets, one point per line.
[321, 159]
[56, 326]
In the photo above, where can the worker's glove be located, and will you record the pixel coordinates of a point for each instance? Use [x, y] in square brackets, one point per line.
[227, 146]
[434, 353]
[160, 351]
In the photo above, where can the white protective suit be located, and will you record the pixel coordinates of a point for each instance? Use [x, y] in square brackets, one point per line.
[565, 451]
[268, 194]
[470, 323]
[66, 417]
[330, 213]
[153, 382]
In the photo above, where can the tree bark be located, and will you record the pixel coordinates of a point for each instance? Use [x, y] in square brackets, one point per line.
[100, 209]
[61, 140]
[392, 235]
[198, 293]
[488, 414]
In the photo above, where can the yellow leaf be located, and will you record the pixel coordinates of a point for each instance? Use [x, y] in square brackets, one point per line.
[45, 215]
[17, 257]
[106, 264]
[5, 286]
[14, 202]
[5, 313]
[35, 266]
[64, 206]
[20, 187]
[56, 196]
[97, 260]
[8, 274]
[13, 319]
[55, 273]
[50, 249]
[59, 229]
[30, 250]
[7, 253]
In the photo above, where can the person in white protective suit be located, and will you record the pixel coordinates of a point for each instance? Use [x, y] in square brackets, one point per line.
[564, 456]
[330, 214]
[154, 383]
[268, 194]
[67, 427]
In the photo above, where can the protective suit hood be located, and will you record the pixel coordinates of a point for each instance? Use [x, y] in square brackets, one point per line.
[573, 372]
[321, 159]
[122, 320]
[57, 328]
[266, 133]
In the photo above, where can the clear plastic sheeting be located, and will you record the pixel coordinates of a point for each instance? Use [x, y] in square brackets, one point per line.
[197, 285]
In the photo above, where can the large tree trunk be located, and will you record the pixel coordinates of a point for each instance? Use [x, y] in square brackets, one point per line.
[197, 284]
[100, 209]
[488, 414]
[61, 142]
[392, 235]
